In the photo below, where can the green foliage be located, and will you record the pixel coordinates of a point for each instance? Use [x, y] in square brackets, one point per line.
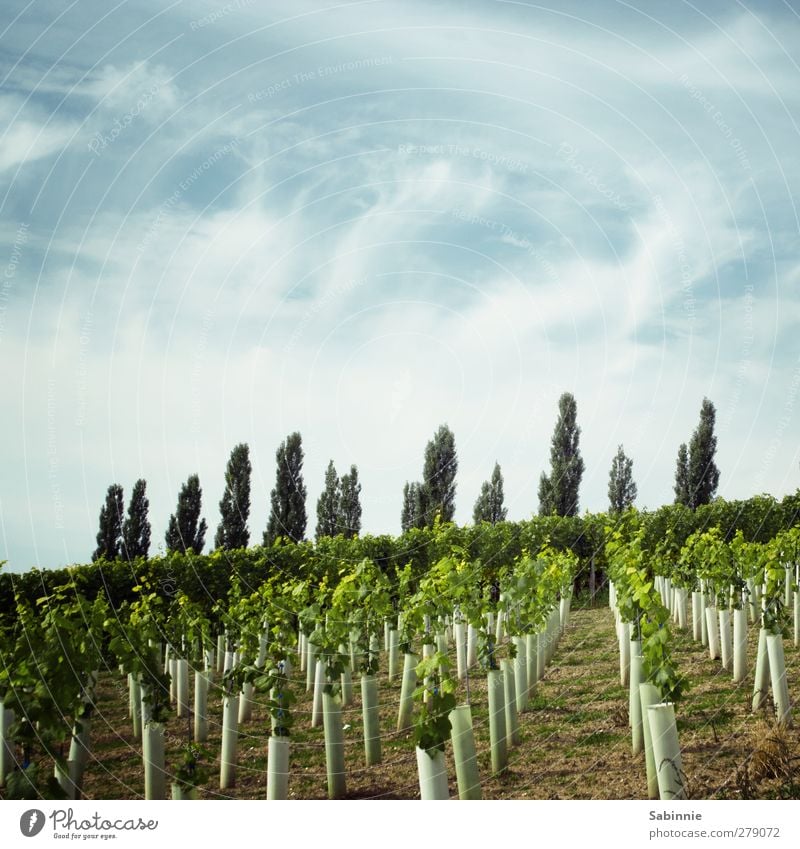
[339, 505]
[245, 618]
[207, 578]
[438, 491]
[330, 635]
[712, 560]
[640, 604]
[329, 504]
[109, 536]
[136, 529]
[703, 472]
[28, 784]
[533, 585]
[489, 506]
[194, 769]
[682, 488]
[234, 507]
[136, 633]
[749, 557]
[51, 656]
[413, 513]
[696, 473]
[436, 699]
[280, 699]
[350, 505]
[558, 491]
[272, 679]
[186, 530]
[621, 486]
[360, 604]
[760, 518]
[779, 555]
[412, 620]
[449, 586]
[287, 516]
[187, 625]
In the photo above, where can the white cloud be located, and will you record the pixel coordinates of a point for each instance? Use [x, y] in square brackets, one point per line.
[30, 133]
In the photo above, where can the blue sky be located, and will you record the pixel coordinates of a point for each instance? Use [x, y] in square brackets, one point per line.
[225, 222]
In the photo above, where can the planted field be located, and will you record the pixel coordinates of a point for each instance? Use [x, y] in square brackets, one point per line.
[575, 740]
[679, 683]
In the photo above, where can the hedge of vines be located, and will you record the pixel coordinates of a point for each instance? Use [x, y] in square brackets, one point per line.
[204, 579]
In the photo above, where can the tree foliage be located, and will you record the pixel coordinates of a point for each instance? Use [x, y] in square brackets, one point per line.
[489, 507]
[234, 507]
[412, 514]
[696, 473]
[136, 529]
[621, 486]
[287, 516]
[186, 530]
[438, 492]
[350, 504]
[558, 491]
[703, 472]
[206, 578]
[109, 536]
[329, 504]
[681, 488]
[51, 654]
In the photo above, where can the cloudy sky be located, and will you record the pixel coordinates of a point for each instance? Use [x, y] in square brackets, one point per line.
[223, 222]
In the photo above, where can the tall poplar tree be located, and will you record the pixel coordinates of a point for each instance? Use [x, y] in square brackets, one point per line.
[136, 529]
[621, 486]
[287, 516]
[413, 513]
[703, 471]
[234, 507]
[438, 491]
[109, 536]
[329, 505]
[558, 491]
[681, 488]
[186, 530]
[350, 504]
[489, 506]
[408, 515]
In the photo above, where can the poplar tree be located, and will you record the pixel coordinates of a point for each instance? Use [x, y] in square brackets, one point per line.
[558, 491]
[329, 505]
[136, 529]
[186, 530]
[703, 472]
[234, 507]
[621, 486]
[350, 504]
[287, 516]
[681, 488]
[413, 512]
[109, 536]
[489, 506]
[437, 494]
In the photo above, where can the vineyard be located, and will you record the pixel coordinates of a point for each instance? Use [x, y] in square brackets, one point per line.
[640, 656]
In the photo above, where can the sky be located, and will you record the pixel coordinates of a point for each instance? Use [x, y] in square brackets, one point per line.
[225, 222]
